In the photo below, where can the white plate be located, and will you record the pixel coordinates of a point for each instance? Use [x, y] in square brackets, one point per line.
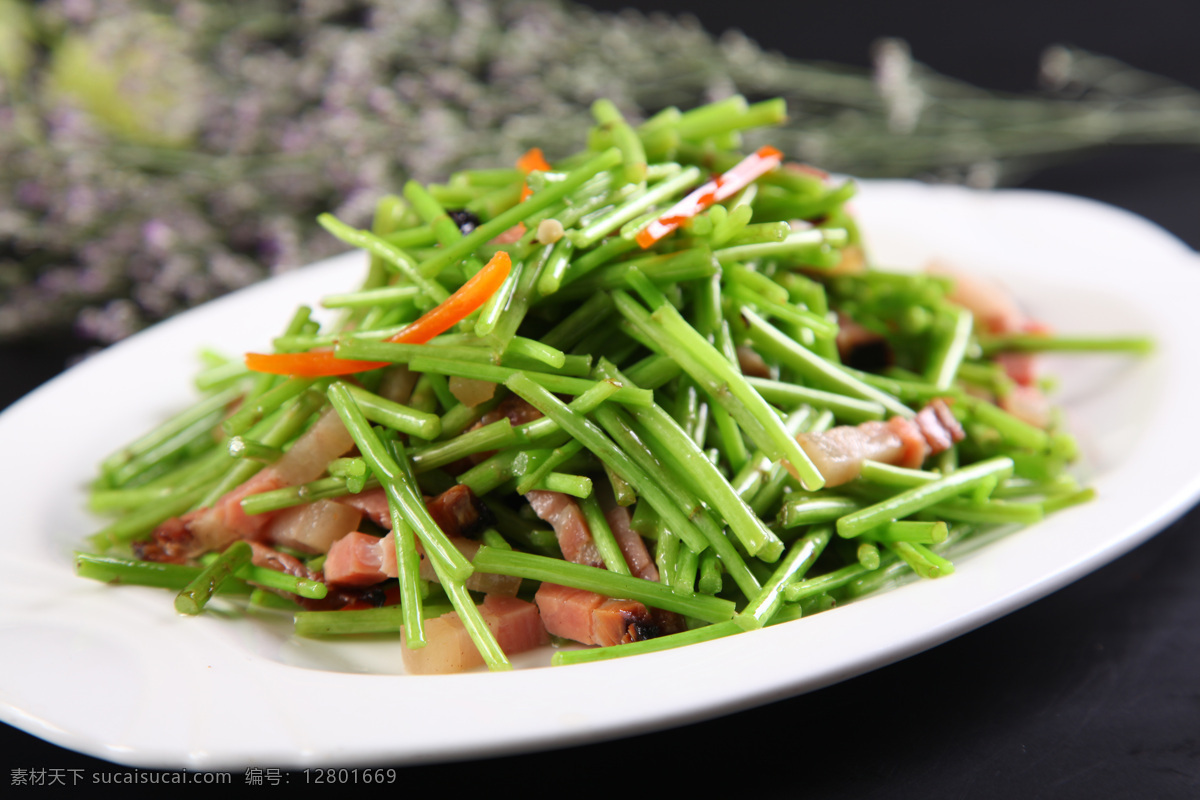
[115, 673]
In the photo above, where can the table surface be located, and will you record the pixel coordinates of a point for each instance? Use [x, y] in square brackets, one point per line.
[1092, 692]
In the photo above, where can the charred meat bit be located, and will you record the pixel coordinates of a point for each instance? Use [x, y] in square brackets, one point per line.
[466, 220]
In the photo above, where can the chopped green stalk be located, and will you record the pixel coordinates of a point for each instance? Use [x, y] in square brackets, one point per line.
[991, 511]
[141, 521]
[628, 395]
[669, 188]
[488, 437]
[724, 384]
[556, 267]
[1066, 500]
[819, 326]
[624, 137]
[490, 313]
[241, 447]
[400, 487]
[555, 460]
[390, 255]
[1040, 343]
[114, 569]
[574, 485]
[370, 298]
[795, 592]
[677, 482]
[867, 554]
[932, 532]
[602, 581]
[919, 497]
[808, 247]
[598, 258]
[851, 410]
[924, 561]
[709, 581]
[153, 462]
[693, 264]
[1011, 429]
[950, 348]
[604, 449]
[712, 486]
[394, 415]
[584, 319]
[491, 473]
[288, 496]
[422, 236]
[602, 535]
[733, 234]
[548, 356]
[169, 430]
[196, 594]
[255, 410]
[408, 571]
[706, 633]
[388, 619]
[274, 579]
[890, 475]
[272, 432]
[802, 509]
[539, 201]
[802, 555]
[811, 367]
[431, 212]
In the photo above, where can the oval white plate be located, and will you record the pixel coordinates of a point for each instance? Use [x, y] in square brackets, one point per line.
[115, 673]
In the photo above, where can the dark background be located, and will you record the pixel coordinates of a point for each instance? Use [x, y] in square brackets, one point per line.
[1093, 692]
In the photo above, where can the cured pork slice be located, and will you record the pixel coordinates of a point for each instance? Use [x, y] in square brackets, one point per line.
[515, 624]
[457, 511]
[838, 453]
[181, 539]
[588, 617]
[359, 559]
[570, 527]
[591, 618]
[633, 547]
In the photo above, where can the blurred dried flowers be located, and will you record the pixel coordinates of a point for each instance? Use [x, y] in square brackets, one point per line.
[159, 154]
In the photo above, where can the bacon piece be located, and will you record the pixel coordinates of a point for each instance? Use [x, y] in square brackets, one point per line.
[633, 547]
[839, 452]
[592, 618]
[457, 511]
[359, 559]
[373, 503]
[515, 624]
[215, 528]
[269, 558]
[565, 516]
[588, 617]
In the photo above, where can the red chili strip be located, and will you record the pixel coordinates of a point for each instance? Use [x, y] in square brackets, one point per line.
[721, 187]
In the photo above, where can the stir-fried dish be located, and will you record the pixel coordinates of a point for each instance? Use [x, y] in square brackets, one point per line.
[646, 395]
